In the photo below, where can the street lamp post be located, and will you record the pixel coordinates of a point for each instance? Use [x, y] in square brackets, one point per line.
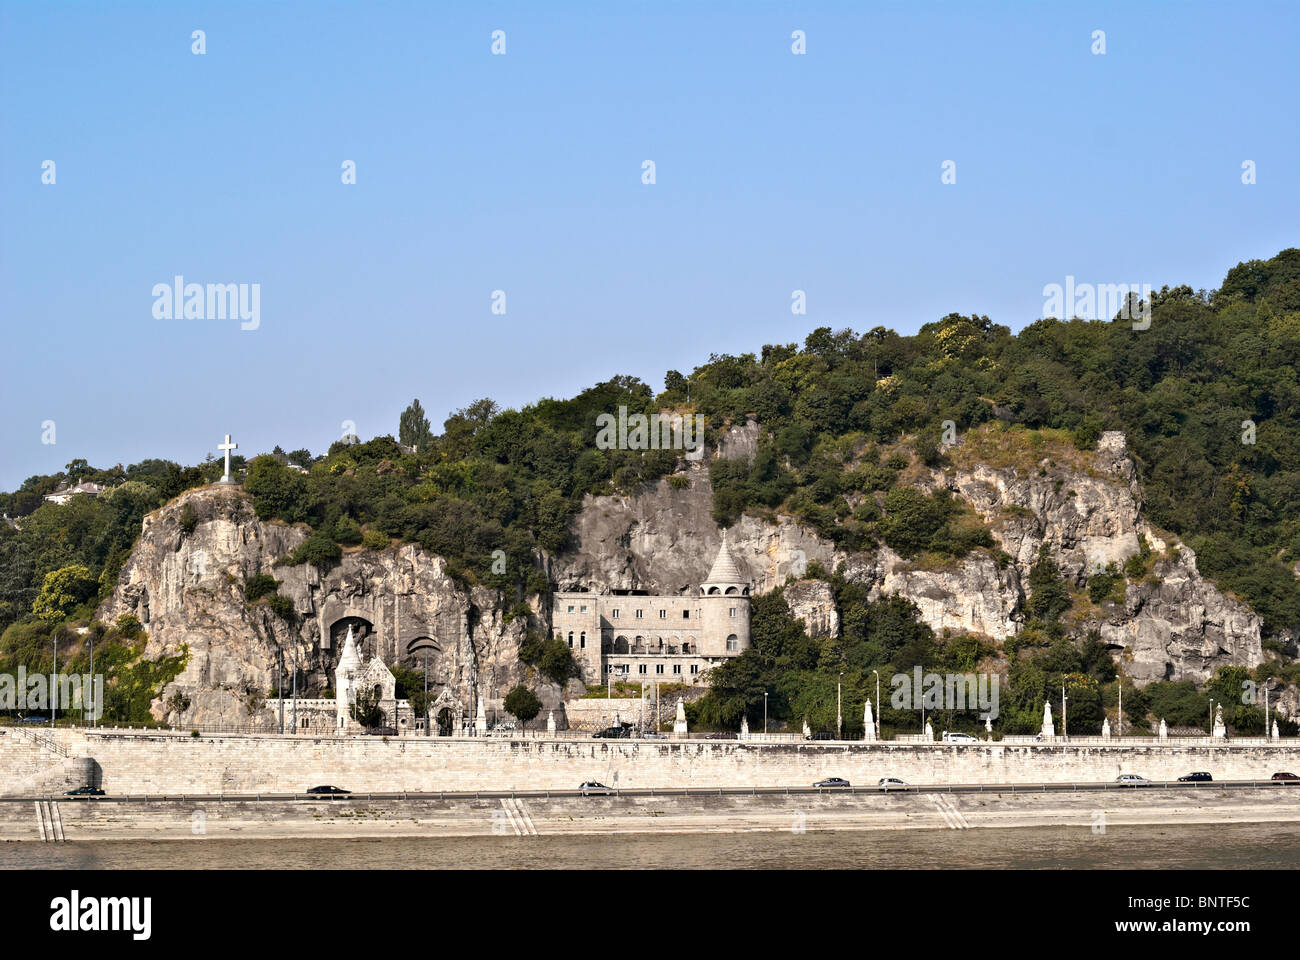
[1266, 683]
[839, 709]
[1065, 726]
[764, 713]
[54, 692]
[1119, 716]
[1211, 716]
[92, 681]
[879, 712]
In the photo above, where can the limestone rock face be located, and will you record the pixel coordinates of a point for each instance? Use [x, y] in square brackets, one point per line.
[1181, 627]
[973, 596]
[813, 602]
[187, 589]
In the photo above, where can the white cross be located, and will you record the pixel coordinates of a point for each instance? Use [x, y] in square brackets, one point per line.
[227, 446]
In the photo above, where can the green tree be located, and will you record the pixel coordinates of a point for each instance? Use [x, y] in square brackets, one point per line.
[64, 590]
[523, 704]
[413, 428]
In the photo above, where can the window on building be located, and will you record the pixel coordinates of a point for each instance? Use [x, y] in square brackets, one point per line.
[732, 643]
[582, 641]
[663, 614]
[677, 668]
[695, 668]
[639, 614]
[659, 668]
[571, 608]
[614, 615]
[571, 640]
[583, 610]
[686, 614]
[733, 611]
[640, 668]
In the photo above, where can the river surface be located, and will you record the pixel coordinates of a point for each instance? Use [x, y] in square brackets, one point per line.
[1244, 846]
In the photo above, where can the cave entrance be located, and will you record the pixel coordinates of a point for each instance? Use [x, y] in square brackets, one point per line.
[362, 630]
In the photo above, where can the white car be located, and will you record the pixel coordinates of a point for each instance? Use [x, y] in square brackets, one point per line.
[892, 783]
[593, 789]
[959, 738]
[1131, 779]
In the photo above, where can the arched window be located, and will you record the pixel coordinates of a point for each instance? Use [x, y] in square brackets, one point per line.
[570, 639]
[733, 644]
[582, 641]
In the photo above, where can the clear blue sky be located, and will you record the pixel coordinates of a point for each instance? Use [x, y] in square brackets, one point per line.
[522, 173]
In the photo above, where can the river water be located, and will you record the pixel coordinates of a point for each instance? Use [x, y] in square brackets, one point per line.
[1242, 846]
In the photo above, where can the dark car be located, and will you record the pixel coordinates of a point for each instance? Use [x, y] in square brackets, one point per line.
[820, 736]
[1283, 775]
[1199, 777]
[85, 792]
[611, 733]
[331, 791]
[36, 720]
[593, 789]
[831, 782]
[381, 731]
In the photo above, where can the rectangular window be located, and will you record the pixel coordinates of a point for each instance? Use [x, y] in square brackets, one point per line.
[639, 614]
[695, 668]
[583, 610]
[659, 668]
[663, 614]
[571, 609]
[686, 614]
[640, 668]
[582, 642]
[614, 615]
[733, 611]
[677, 668]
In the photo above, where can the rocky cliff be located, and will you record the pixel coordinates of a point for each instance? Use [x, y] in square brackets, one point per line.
[187, 588]
[1085, 510]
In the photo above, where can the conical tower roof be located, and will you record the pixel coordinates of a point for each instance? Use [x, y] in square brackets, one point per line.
[724, 568]
[349, 657]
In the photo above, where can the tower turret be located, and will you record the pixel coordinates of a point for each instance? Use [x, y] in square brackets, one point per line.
[724, 607]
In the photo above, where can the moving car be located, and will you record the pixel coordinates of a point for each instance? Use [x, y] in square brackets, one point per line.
[1131, 778]
[656, 736]
[1199, 776]
[959, 738]
[593, 789]
[831, 782]
[820, 736]
[330, 791]
[892, 783]
[85, 792]
[1283, 775]
[36, 720]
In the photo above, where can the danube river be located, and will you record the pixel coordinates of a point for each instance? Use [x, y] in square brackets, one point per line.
[1243, 846]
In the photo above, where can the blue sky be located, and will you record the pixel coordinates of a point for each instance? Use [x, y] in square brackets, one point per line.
[522, 173]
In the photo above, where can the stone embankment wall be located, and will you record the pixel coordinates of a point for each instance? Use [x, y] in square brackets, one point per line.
[175, 764]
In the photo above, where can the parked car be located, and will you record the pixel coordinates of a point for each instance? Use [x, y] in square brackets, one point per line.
[36, 720]
[1282, 775]
[85, 792]
[892, 783]
[832, 782]
[1199, 776]
[820, 736]
[330, 791]
[1131, 778]
[611, 733]
[656, 736]
[593, 789]
[381, 731]
[959, 738]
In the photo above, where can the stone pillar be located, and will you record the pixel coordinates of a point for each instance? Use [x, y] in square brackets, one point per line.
[868, 724]
[929, 732]
[1105, 728]
[550, 724]
[744, 727]
[1276, 735]
[1049, 729]
[679, 724]
[1220, 732]
[1164, 730]
[988, 726]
